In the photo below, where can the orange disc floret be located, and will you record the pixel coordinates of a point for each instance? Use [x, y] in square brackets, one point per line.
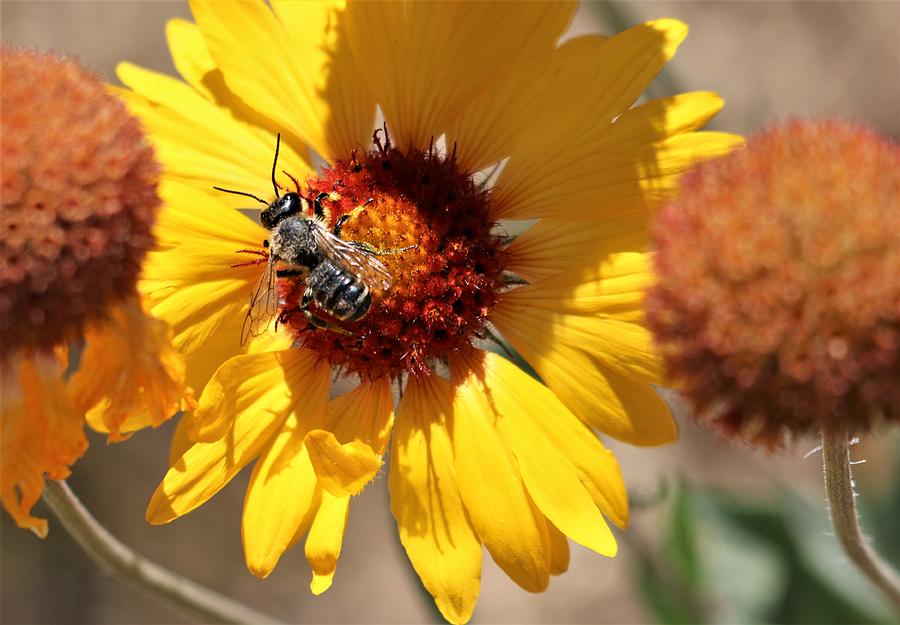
[78, 200]
[431, 227]
[777, 307]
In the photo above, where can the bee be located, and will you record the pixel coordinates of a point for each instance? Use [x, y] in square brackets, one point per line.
[341, 276]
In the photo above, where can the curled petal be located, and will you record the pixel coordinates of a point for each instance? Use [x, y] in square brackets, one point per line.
[342, 469]
[43, 433]
[131, 376]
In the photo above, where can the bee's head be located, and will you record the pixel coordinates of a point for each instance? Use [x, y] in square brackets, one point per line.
[285, 206]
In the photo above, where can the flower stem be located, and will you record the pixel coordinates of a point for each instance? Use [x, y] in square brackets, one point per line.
[845, 520]
[133, 569]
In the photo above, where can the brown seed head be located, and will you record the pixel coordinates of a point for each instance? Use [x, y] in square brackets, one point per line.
[78, 200]
[777, 307]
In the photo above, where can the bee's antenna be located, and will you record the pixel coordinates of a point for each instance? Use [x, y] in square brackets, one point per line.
[275, 163]
[261, 201]
[294, 180]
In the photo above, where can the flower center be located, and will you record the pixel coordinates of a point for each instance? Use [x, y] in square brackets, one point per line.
[429, 225]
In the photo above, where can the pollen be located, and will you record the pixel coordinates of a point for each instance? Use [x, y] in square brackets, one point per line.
[777, 307]
[78, 200]
[430, 225]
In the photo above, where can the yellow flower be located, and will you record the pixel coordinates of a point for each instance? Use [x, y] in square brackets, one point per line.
[79, 199]
[481, 453]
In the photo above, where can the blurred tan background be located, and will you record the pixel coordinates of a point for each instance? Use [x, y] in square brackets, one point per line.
[770, 60]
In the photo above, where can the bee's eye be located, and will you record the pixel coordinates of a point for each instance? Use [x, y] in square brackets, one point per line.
[290, 204]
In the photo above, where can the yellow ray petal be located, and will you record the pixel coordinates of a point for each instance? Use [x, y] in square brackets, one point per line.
[43, 433]
[492, 120]
[130, 375]
[574, 251]
[601, 369]
[270, 381]
[434, 527]
[345, 98]
[290, 76]
[254, 410]
[346, 452]
[559, 551]
[323, 545]
[527, 113]
[659, 119]
[181, 442]
[610, 285]
[190, 56]
[197, 67]
[586, 180]
[190, 281]
[342, 469]
[201, 143]
[440, 55]
[365, 414]
[502, 513]
[283, 480]
[526, 412]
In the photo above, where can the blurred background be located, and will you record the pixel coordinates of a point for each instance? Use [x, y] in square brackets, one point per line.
[719, 534]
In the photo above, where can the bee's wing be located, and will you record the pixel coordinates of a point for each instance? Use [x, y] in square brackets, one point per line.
[359, 261]
[263, 303]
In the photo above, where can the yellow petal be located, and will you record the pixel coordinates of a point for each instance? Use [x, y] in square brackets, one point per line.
[190, 56]
[440, 55]
[43, 433]
[181, 442]
[323, 545]
[559, 551]
[536, 426]
[130, 375]
[346, 452]
[364, 414]
[586, 180]
[193, 61]
[253, 411]
[290, 77]
[337, 86]
[268, 381]
[602, 369]
[201, 143]
[434, 527]
[610, 285]
[190, 281]
[576, 251]
[281, 499]
[659, 119]
[342, 469]
[524, 115]
[502, 513]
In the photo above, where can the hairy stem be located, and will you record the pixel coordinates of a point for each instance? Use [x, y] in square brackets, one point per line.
[844, 518]
[133, 569]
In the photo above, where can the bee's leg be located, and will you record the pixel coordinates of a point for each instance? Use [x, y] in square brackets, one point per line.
[319, 209]
[339, 224]
[336, 231]
[365, 247]
[290, 273]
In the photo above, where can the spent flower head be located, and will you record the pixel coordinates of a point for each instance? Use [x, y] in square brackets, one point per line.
[79, 198]
[777, 307]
